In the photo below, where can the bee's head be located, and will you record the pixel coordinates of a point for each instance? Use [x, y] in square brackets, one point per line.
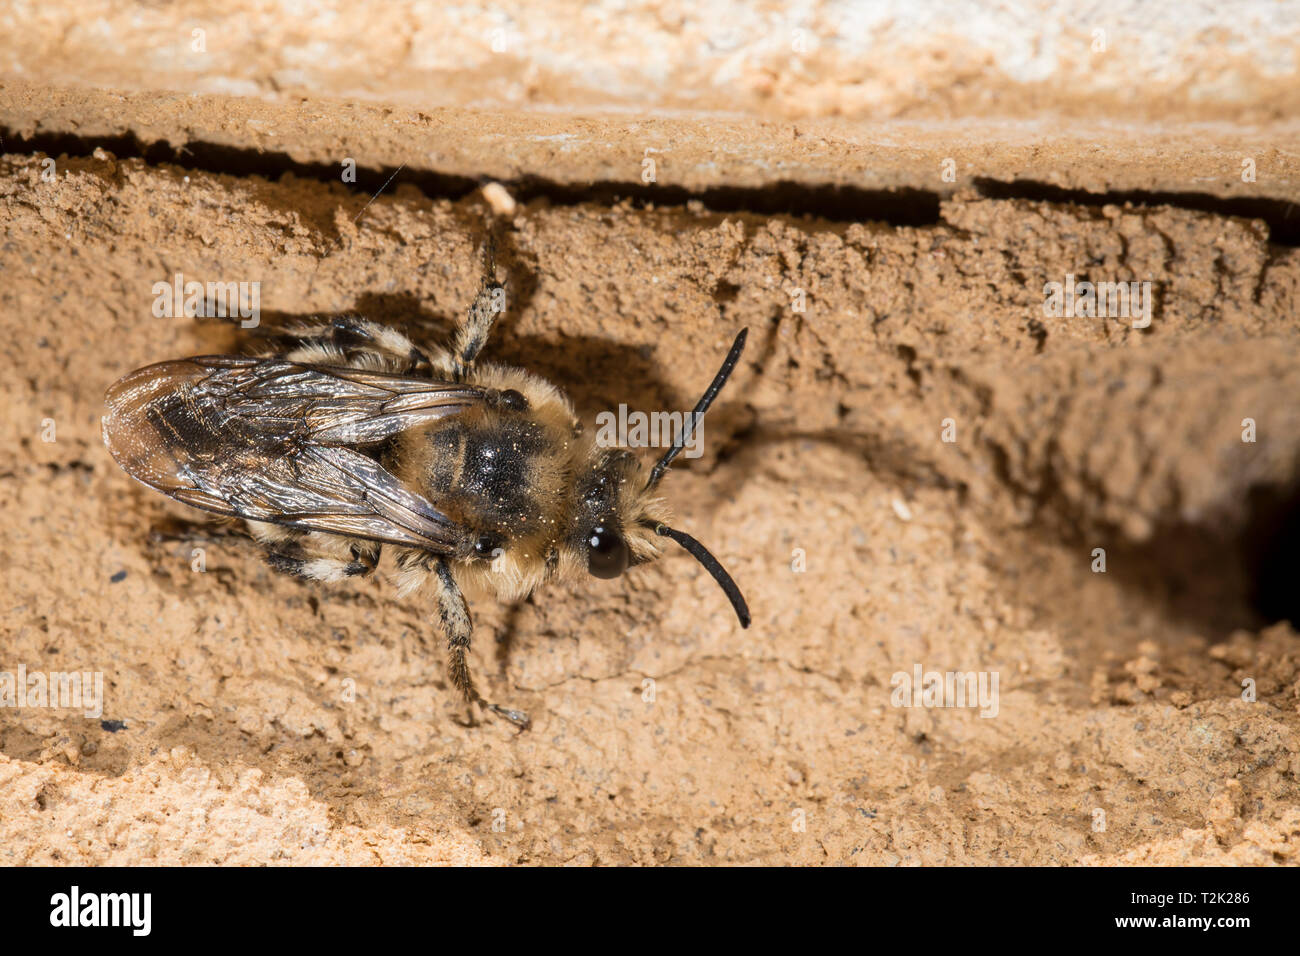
[619, 518]
[605, 529]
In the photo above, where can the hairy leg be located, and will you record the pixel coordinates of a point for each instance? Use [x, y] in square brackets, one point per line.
[459, 626]
[358, 343]
[313, 555]
[483, 311]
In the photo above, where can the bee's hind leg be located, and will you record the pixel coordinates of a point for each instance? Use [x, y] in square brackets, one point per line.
[483, 311]
[315, 556]
[459, 626]
[351, 337]
[208, 531]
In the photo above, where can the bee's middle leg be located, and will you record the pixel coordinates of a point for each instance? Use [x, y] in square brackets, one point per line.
[483, 311]
[459, 626]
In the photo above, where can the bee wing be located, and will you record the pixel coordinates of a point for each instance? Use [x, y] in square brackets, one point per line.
[271, 440]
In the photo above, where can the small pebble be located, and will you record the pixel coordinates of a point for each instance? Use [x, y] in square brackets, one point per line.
[502, 203]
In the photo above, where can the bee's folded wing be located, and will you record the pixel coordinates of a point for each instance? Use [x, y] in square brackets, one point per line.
[270, 440]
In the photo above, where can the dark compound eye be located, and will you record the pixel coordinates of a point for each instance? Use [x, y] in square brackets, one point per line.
[486, 545]
[607, 555]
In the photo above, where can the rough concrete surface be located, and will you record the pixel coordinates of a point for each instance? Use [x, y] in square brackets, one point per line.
[914, 465]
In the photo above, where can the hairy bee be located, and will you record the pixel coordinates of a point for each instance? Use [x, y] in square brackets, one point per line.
[479, 476]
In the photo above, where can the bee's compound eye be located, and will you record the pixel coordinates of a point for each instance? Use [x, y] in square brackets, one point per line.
[487, 546]
[607, 555]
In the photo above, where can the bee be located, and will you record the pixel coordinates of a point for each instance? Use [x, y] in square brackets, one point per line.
[351, 438]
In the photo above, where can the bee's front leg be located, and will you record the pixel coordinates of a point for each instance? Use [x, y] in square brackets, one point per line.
[459, 626]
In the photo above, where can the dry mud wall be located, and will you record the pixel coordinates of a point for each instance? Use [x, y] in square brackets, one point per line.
[248, 718]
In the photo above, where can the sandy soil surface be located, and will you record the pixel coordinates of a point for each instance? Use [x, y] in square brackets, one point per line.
[1140, 60]
[915, 469]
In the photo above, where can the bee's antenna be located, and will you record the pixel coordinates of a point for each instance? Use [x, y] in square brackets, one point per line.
[700, 552]
[692, 420]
